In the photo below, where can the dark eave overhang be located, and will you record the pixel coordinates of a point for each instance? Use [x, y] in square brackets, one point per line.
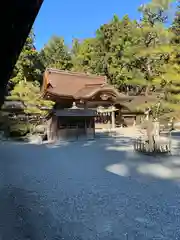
[17, 21]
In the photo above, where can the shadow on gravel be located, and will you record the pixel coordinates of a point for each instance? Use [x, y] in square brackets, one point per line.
[115, 153]
[93, 190]
[124, 161]
[22, 216]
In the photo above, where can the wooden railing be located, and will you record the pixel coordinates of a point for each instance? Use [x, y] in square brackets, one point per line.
[142, 145]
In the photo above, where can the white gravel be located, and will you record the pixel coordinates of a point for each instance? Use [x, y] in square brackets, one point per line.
[86, 191]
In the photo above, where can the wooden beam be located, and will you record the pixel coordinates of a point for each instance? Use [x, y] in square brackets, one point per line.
[100, 103]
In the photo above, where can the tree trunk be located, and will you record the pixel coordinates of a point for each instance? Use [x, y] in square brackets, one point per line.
[147, 89]
[127, 90]
[148, 78]
[166, 94]
[150, 134]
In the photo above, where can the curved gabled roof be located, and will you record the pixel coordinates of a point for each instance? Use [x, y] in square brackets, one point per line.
[66, 83]
[90, 91]
[77, 85]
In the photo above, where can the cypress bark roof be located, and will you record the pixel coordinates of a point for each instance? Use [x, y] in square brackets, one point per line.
[76, 85]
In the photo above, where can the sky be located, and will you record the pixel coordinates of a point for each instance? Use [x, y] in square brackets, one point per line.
[79, 19]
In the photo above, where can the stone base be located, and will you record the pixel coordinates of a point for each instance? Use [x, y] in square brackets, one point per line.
[35, 139]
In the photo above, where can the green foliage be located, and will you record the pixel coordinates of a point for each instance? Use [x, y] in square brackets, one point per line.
[28, 66]
[155, 11]
[29, 93]
[107, 53]
[19, 128]
[56, 55]
[24, 86]
[152, 50]
[136, 53]
[141, 54]
[175, 28]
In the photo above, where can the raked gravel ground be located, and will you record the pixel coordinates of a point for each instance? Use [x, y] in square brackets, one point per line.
[86, 191]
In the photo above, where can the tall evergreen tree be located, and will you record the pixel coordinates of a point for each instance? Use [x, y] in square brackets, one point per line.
[55, 54]
[172, 67]
[24, 85]
[152, 48]
[28, 66]
[142, 55]
[176, 27]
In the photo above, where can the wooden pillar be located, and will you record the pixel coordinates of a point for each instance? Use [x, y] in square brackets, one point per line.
[49, 124]
[138, 119]
[85, 105]
[134, 122]
[77, 131]
[52, 129]
[93, 125]
[113, 124]
[85, 123]
[119, 117]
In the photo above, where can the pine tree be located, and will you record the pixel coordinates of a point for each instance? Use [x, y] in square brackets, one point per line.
[175, 28]
[29, 93]
[152, 47]
[24, 86]
[171, 74]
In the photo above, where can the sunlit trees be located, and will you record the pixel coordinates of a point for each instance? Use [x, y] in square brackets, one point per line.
[55, 54]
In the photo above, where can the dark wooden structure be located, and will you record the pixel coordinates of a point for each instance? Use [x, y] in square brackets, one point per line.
[142, 146]
[77, 98]
[16, 24]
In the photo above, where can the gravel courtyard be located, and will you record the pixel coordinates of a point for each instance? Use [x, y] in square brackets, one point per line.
[86, 191]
